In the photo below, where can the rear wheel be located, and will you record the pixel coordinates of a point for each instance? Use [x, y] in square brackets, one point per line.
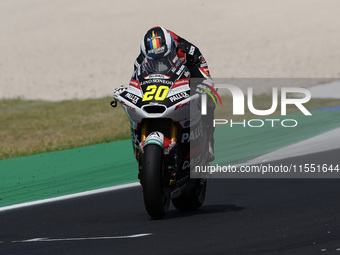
[156, 199]
[193, 197]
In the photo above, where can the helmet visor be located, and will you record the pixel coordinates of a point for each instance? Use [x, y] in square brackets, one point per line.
[158, 63]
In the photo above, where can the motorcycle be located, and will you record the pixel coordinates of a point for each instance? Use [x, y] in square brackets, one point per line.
[167, 133]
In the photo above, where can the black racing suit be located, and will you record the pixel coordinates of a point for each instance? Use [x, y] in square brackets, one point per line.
[193, 59]
[189, 55]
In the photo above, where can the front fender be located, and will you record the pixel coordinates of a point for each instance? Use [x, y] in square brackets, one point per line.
[159, 139]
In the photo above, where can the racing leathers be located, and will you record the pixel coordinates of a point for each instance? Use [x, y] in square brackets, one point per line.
[193, 59]
[189, 55]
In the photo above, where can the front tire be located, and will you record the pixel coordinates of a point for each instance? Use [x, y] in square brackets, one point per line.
[156, 199]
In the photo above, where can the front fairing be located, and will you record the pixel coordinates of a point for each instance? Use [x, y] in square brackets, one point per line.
[159, 89]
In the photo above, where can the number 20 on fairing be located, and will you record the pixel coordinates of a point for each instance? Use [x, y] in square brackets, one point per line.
[155, 92]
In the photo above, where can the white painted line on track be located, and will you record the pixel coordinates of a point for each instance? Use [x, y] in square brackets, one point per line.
[47, 239]
[323, 142]
[76, 195]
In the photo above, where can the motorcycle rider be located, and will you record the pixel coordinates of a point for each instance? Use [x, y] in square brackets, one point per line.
[157, 40]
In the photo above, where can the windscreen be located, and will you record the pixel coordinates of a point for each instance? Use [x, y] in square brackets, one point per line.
[159, 64]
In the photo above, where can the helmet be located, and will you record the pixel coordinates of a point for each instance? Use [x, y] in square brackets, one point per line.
[157, 43]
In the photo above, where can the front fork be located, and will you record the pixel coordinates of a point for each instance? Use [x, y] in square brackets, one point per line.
[145, 133]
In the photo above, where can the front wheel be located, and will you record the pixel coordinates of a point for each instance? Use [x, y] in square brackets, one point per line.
[156, 199]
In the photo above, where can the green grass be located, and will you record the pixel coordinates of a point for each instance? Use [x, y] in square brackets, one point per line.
[29, 127]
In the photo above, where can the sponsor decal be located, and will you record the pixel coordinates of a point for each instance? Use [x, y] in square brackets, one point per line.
[133, 98]
[163, 81]
[157, 76]
[134, 83]
[193, 135]
[128, 106]
[154, 138]
[184, 104]
[203, 62]
[205, 71]
[179, 96]
[180, 83]
[192, 50]
[155, 92]
[157, 50]
[174, 60]
[184, 88]
[191, 122]
[168, 146]
[180, 70]
[182, 56]
[191, 163]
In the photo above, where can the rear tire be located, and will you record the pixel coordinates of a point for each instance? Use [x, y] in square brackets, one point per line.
[156, 200]
[194, 196]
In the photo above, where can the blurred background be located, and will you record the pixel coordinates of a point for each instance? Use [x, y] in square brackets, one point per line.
[67, 49]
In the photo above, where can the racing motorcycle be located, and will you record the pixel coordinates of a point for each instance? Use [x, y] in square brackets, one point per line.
[167, 133]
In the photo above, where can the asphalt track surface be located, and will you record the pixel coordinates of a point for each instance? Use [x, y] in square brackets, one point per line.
[240, 216]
